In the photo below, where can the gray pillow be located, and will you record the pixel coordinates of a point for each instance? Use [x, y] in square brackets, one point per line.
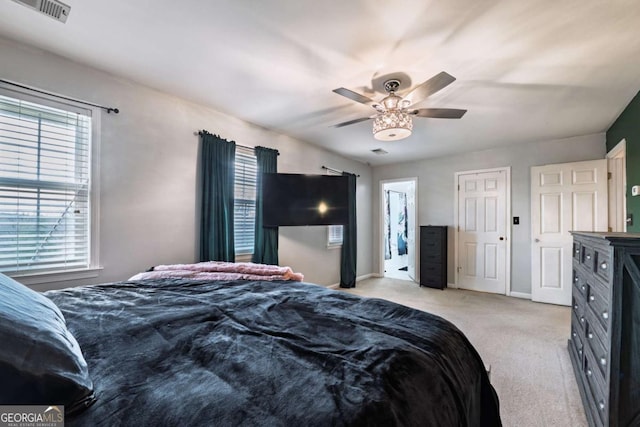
[40, 360]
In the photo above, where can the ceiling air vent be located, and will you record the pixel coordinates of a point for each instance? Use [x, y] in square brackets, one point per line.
[52, 8]
[379, 151]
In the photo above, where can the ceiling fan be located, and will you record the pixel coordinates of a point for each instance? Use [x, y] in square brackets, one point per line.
[393, 119]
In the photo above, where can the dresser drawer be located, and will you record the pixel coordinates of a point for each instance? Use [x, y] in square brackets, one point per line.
[432, 269]
[597, 388]
[578, 305]
[596, 346]
[602, 264]
[598, 302]
[432, 247]
[577, 336]
[576, 250]
[579, 282]
[431, 256]
[586, 257]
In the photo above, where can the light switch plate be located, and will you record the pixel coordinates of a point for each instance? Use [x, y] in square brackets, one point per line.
[635, 190]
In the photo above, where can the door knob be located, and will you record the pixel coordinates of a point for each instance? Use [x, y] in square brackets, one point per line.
[537, 240]
[501, 238]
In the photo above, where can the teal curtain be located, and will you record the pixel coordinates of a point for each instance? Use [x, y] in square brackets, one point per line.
[349, 239]
[216, 226]
[266, 238]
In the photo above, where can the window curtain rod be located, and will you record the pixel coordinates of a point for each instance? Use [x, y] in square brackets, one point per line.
[204, 132]
[107, 109]
[336, 170]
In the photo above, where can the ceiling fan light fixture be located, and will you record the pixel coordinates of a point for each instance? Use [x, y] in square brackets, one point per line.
[391, 102]
[392, 125]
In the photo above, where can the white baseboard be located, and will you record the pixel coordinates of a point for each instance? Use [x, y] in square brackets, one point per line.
[452, 286]
[520, 295]
[358, 279]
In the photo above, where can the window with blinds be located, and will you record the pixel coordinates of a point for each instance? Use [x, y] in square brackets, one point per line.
[335, 235]
[246, 175]
[334, 232]
[45, 186]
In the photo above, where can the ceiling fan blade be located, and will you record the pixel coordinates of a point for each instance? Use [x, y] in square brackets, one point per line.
[439, 113]
[431, 86]
[354, 96]
[351, 122]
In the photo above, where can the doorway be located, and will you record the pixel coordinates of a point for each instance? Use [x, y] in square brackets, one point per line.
[616, 164]
[398, 208]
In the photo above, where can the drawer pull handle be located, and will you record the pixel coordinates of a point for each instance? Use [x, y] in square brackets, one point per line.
[592, 298]
[589, 372]
[604, 266]
[605, 315]
[582, 320]
[583, 287]
[603, 361]
[575, 306]
[588, 257]
[590, 336]
[577, 251]
[580, 352]
[575, 335]
[601, 405]
[575, 279]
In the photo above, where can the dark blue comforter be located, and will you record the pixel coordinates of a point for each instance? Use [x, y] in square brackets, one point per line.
[190, 353]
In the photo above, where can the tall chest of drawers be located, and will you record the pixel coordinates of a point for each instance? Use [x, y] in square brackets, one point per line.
[433, 256]
[605, 326]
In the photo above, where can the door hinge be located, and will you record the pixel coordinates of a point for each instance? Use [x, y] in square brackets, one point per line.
[609, 176]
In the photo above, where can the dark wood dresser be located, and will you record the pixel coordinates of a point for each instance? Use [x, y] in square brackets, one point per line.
[605, 326]
[433, 256]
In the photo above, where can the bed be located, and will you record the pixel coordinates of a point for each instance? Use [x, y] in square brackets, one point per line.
[178, 351]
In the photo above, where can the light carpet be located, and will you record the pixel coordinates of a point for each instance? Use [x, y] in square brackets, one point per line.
[524, 343]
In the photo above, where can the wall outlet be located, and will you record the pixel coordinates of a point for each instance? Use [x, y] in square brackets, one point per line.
[635, 190]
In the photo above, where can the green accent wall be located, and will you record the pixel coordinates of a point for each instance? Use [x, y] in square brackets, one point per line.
[627, 126]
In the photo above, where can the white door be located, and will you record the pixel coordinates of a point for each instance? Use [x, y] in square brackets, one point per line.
[411, 230]
[564, 197]
[616, 164]
[482, 231]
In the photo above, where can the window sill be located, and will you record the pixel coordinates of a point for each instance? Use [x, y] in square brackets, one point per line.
[334, 246]
[243, 257]
[29, 279]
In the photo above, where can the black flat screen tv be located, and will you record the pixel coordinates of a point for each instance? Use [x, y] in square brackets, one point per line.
[295, 199]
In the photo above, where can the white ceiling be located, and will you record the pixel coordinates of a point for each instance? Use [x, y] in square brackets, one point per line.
[526, 70]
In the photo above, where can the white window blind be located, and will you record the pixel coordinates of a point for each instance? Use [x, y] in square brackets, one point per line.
[45, 160]
[334, 232]
[246, 174]
[335, 235]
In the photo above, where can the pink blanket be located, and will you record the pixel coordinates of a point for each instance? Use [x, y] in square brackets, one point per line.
[218, 270]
